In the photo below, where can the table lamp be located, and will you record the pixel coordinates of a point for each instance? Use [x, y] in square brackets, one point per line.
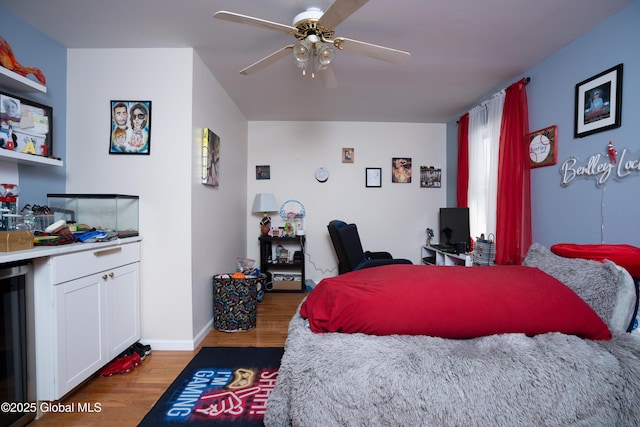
[264, 203]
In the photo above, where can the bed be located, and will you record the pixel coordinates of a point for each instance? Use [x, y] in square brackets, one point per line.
[455, 368]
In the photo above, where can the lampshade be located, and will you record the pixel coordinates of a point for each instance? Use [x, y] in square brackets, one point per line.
[264, 202]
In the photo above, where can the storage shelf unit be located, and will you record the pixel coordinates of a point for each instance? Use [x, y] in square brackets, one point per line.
[284, 277]
[16, 82]
[433, 256]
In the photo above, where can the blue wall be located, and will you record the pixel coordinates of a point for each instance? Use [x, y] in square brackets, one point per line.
[582, 212]
[35, 49]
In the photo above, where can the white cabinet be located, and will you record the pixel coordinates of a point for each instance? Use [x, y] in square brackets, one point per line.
[433, 256]
[87, 312]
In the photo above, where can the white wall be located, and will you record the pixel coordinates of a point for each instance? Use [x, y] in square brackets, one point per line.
[218, 232]
[178, 260]
[392, 218]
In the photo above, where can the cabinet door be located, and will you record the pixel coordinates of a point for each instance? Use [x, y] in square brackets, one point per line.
[81, 331]
[123, 307]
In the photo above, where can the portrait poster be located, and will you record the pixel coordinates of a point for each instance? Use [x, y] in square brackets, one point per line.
[401, 169]
[598, 103]
[130, 127]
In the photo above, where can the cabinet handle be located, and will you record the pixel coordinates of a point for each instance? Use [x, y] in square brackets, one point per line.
[104, 277]
[107, 251]
[111, 274]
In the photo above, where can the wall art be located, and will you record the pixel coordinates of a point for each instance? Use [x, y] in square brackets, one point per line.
[373, 177]
[543, 147]
[263, 172]
[25, 126]
[210, 158]
[347, 155]
[598, 102]
[401, 169]
[130, 127]
[430, 177]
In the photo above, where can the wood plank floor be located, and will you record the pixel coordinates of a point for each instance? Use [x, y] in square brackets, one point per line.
[125, 399]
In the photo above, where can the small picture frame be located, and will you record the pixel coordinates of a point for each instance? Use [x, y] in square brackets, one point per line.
[348, 155]
[543, 147]
[263, 172]
[598, 103]
[130, 127]
[430, 177]
[373, 177]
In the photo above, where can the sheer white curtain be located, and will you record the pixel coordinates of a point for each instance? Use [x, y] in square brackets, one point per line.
[484, 143]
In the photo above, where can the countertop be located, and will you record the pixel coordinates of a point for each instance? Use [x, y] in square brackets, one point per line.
[47, 251]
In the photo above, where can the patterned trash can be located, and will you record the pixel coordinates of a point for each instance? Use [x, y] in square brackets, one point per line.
[234, 303]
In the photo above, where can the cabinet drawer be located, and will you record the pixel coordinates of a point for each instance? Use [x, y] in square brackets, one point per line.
[72, 266]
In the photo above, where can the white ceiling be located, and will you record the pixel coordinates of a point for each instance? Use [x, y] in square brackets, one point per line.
[461, 50]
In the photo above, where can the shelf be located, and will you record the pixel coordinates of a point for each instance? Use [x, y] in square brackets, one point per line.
[433, 256]
[17, 82]
[27, 159]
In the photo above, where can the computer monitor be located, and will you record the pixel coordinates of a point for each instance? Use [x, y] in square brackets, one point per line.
[454, 227]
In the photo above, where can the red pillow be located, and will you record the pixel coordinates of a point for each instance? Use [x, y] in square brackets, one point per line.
[449, 302]
[626, 256]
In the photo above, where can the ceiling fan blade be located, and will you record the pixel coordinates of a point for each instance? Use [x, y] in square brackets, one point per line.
[328, 77]
[339, 11]
[256, 22]
[266, 61]
[374, 51]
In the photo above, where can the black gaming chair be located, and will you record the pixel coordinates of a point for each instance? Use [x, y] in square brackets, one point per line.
[351, 256]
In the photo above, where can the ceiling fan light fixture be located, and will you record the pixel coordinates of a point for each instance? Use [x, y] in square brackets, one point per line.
[326, 54]
[302, 52]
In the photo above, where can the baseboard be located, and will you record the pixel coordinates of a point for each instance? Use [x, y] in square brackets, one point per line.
[181, 345]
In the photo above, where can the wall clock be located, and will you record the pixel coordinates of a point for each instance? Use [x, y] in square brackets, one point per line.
[322, 174]
[543, 147]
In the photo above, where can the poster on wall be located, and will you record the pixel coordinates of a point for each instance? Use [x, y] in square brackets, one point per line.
[599, 102]
[401, 169]
[210, 158]
[430, 177]
[130, 127]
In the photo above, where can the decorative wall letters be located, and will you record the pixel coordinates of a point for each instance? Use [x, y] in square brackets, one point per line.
[601, 167]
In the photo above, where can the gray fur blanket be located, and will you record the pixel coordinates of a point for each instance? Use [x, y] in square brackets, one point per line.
[501, 380]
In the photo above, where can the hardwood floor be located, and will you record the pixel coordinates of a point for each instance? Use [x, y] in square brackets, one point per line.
[125, 399]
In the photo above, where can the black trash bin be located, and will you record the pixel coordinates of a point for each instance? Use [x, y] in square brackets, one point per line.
[234, 303]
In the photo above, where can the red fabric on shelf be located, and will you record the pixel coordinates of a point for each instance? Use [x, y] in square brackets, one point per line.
[626, 256]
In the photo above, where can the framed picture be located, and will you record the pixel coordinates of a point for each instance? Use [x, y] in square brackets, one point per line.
[543, 147]
[130, 127]
[373, 177]
[599, 102]
[401, 169]
[210, 157]
[263, 172]
[25, 126]
[347, 155]
[430, 177]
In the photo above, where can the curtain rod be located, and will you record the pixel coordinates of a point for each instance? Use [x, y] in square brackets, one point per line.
[526, 82]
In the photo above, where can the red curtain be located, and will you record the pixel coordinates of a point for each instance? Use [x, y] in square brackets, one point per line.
[513, 213]
[463, 162]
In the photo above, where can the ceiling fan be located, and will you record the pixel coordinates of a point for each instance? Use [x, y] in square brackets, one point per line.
[316, 43]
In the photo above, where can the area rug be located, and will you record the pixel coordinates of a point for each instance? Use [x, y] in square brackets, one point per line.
[223, 385]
